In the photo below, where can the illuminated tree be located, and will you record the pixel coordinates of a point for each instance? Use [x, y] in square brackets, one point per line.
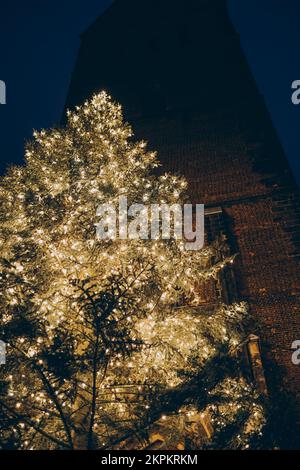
[105, 338]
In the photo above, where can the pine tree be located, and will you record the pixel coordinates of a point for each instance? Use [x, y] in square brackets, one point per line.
[106, 341]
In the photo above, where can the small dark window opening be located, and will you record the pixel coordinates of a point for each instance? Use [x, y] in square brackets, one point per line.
[215, 229]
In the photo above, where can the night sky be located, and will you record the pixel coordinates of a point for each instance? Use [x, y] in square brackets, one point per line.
[39, 41]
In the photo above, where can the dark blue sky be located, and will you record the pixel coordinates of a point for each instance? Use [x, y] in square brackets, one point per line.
[39, 41]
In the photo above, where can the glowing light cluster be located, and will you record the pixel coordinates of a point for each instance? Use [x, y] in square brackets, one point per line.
[106, 338]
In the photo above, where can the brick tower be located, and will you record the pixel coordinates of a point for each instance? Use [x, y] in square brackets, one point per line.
[178, 69]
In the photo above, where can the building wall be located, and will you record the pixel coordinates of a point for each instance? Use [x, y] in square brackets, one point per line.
[223, 164]
[187, 89]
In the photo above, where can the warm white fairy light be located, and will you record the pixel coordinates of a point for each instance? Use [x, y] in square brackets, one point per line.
[50, 257]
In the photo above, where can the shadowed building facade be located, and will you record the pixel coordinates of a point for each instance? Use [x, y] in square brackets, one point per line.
[178, 69]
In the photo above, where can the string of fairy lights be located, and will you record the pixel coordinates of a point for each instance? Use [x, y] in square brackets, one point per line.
[98, 330]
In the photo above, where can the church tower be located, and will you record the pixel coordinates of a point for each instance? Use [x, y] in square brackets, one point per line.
[179, 71]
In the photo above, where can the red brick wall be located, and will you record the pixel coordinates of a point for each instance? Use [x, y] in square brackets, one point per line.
[251, 181]
[182, 64]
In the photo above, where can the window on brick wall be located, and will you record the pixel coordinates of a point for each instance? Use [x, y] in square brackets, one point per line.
[214, 224]
[225, 287]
